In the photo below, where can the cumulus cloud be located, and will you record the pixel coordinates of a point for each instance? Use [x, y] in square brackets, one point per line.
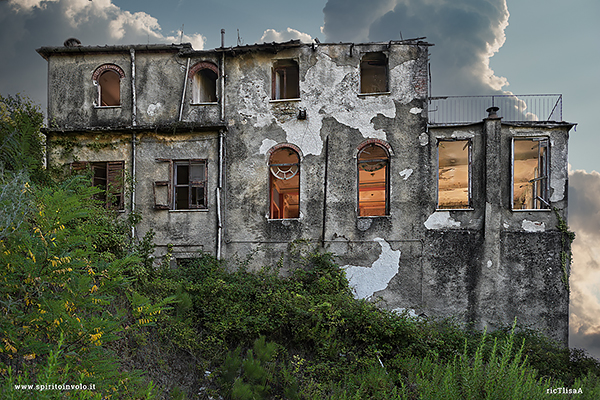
[271, 35]
[584, 219]
[29, 24]
[466, 33]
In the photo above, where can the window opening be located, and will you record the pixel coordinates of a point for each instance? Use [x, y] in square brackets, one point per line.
[109, 177]
[286, 80]
[190, 184]
[204, 87]
[454, 174]
[109, 84]
[530, 174]
[374, 73]
[284, 184]
[373, 181]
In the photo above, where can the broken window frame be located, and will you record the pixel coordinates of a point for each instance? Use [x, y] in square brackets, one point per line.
[278, 211]
[97, 78]
[108, 176]
[469, 145]
[541, 175]
[285, 78]
[368, 68]
[386, 189]
[190, 184]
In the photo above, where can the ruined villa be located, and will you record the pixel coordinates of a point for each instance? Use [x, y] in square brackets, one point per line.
[244, 150]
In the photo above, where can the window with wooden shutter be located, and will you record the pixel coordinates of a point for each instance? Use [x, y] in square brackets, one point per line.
[107, 176]
[162, 188]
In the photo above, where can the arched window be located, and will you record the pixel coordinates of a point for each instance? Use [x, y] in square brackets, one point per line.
[374, 73]
[373, 180]
[284, 183]
[204, 77]
[107, 78]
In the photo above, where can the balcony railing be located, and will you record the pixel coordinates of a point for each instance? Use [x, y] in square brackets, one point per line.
[456, 110]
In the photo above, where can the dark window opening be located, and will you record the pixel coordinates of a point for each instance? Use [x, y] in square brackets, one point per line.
[286, 80]
[374, 73]
[109, 177]
[109, 89]
[189, 184]
[454, 174]
[373, 181]
[530, 174]
[284, 184]
[204, 87]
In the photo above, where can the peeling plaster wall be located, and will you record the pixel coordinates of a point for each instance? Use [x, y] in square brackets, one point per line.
[485, 265]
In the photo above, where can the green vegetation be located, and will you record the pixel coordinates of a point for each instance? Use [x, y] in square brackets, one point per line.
[83, 305]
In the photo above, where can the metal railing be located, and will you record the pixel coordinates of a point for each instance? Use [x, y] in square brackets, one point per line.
[454, 110]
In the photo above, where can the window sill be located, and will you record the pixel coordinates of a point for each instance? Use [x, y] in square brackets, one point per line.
[208, 103]
[375, 216]
[374, 94]
[285, 100]
[282, 219]
[455, 209]
[105, 107]
[190, 210]
[519, 210]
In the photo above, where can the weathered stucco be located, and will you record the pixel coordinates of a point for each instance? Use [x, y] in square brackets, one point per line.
[485, 264]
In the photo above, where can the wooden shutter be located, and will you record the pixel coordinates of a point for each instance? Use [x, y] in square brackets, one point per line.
[115, 182]
[162, 188]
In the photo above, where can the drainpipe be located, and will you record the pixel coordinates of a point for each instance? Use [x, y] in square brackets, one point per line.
[220, 223]
[185, 79]
[133, 136]
[325, 191]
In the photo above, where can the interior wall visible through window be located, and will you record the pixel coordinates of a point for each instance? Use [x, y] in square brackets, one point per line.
[286, 80]
[374, 73]
[284, 184]
[204, 87]
[373, 180]
[530, 173]
[109, 90]
[454, 174]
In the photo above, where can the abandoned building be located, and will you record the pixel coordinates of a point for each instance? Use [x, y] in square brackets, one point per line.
[243, 150]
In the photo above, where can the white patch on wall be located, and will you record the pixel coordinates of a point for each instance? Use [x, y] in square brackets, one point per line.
[489, 264]
[408, 311]
[533, 226]
[463, 135]
[406, 173]
[367, 280]
[266, 145]
[423, 139]
[153, 109]
[416, 110]
[441, 220]
[329, 89]
[505, 225]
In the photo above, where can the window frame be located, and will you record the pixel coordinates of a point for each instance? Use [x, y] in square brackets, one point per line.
[469, 172]
[362, 91]
[272, 176]
[113, 178]
[545, 162]
[98, 73]
[285, 68]
[191, 184]
[387, 185]
[196, 76]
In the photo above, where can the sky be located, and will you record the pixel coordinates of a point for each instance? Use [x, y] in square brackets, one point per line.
[481, 47]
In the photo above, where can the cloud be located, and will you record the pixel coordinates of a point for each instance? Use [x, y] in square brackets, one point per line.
[271, 35]
[584, 219]
[466, 33]
[29, 24]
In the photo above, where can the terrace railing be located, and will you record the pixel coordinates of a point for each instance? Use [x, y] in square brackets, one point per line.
[456, 110]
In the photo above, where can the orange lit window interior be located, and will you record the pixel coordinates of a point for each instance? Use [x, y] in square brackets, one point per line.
[453, 174]
[530, 174]
[372, 181]
[284, 188]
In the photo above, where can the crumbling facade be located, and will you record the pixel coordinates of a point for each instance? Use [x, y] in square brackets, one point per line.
[243, 150]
